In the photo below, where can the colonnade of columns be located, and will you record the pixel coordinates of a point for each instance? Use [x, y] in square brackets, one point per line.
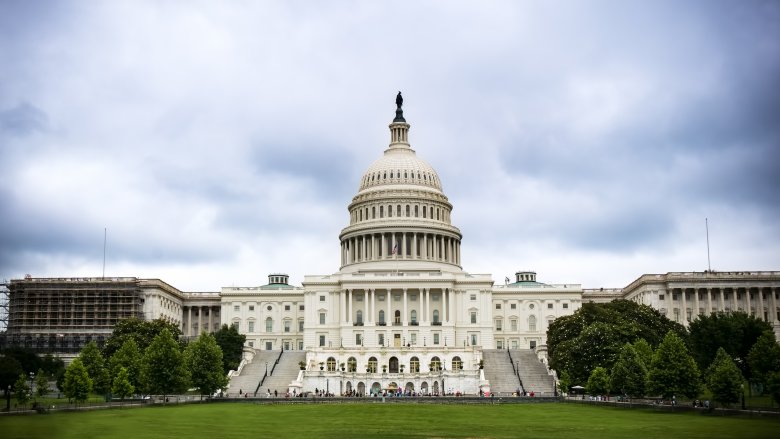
[400, 246]
[349, 306]
[751, 300]
[202, 321]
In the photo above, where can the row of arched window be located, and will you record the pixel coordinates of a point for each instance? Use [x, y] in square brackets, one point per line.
[400, 210]
[393, 365]
[426, 178]
[396, 316]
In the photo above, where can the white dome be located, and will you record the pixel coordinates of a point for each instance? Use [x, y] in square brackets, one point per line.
[400, 166]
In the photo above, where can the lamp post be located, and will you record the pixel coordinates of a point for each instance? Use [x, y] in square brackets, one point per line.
[32, 377]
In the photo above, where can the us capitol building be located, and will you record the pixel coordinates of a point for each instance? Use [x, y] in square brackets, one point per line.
[400, 313]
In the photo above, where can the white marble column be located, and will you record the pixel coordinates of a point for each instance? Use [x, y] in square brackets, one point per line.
[760, 310]
[684, 310]
[709, 301]
[747, 302]
[695, 303]
[773, 301]
[734, 292]
[189, 321]
[200, 320]
[404, 317]
[211, 314]
[389, 298]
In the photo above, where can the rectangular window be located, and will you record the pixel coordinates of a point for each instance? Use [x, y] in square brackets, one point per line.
[286, 307]
[498, 306]
[286, 326]
[549, 306]
[660, 297]
[359, 339]
[473, 339]
[381, 339]
[473, 297]
[413, 336]
[322, 318]
[300, 325]
[300, 308]
[436, 338]
[251, 307]
[514, 344]
[322, 298]
[269, 345]
[251, 344]
[473, 317]
[236, 308]
[498, 325]
[322, 340]
[499, 344]
[565, 306]
[251, 326]
[513, 324]
[513, 306]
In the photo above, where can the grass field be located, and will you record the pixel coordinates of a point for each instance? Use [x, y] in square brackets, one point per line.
[378, 420]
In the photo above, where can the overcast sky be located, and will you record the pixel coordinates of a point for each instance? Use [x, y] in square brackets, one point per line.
[221, 141]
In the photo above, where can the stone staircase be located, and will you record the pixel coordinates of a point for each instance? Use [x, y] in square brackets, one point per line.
[252, 373]
[499, 372]
[533, 373]
[285, 373]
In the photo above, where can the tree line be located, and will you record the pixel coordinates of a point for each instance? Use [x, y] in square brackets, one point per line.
[629, 349]
[140, 357]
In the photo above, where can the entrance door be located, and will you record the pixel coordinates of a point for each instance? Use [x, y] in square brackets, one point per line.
[393, 365]
[397, 340]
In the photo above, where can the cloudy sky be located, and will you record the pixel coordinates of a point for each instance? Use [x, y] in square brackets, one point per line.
[220, 141]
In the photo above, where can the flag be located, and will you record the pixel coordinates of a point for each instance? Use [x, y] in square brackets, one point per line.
[395, 248]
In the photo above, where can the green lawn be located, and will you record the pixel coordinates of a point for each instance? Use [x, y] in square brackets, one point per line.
[239, 420]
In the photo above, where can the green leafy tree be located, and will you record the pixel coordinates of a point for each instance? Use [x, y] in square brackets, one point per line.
[95, 364]
[629, 373]
[129, 357]
[724, 379]
[29, 360]
[141, 331]
[764, 358]
[232, 345]
[122, 386]
[773, 386]
[735, 332]
[41, 383]
[203, 358]
[645, 351]
[564, 382]
[22, 390]
[163, 368]
[594, 335]
[673, 371]
[52, 365]
[78, 384]
[10, 369]
[598, 382]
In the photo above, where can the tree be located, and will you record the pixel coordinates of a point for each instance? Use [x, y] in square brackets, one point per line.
[645, 352]
[673, 371]
[735, 332]
[129, 357]
[203, 358]
[95, 364]
[22, 389]
[55, 368]
[764, 358]
[141, 331]
[122, 386]
[629, 373]
[598, 382]
[564, 382]
[41, 383]
[163, 369]
[594, 335]
[232, 345]
[77, 385]
[26, 357]
[724, 379]
[773, 386]
[10, 369]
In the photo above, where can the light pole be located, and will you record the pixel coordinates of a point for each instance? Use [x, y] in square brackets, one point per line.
[32, 377]
[266, 368]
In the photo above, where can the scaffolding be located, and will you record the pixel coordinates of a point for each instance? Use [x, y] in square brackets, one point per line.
[3, 305]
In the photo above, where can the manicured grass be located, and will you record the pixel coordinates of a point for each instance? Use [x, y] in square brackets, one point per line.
[244, 420]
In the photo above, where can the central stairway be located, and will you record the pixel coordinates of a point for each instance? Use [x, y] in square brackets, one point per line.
[499, 372]
[283, 374]
[252, 373]
[533, 373]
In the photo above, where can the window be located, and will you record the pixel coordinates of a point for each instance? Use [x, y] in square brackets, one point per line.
[457, 364]
[414, 316]
[565, 306]
[473, 317]
[286, 307]
[549, 306]
[237, 324]
[300, 325]
[381, 317]
[269, 325]
[533, 344]
[359, 339]
[435, 316]
[414, 365]
[372, 365]
[322, 318]
[498, 306]
[660, 297]
[514, 344]
[251, 344]
[352, 364]
[513, 306]
[381, 339]
[436, 338]
[251, 307]
[322, 298]
[397, 319]
[413, 337]
[251, 326]
[473, 339]
[287, 326]
[269, 308]
[236, 308]
[532, 323]
[300, 308]
[322, 340]
[473, 297]
[269, 345]
[359, 318]
[513, 325]
[498, 324]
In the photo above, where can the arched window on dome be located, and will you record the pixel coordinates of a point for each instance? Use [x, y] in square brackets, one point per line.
[405, 175]
[269, 325]
[416, 211]
[366, 213]
[408, 211]
[425, 177]
[391, 174]
[424, 211]
[398, 211]
[373, 212]
[532, 323]
[361, 215]
[381, 211]
[384, 176]
[390, 211]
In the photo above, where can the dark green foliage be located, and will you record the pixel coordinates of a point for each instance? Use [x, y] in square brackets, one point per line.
[203, 358]
[629, 373]
[598, 382]
[129, 358]
[163, 371]
[93, 361]
[764, 358]
[141, 331]
[52, 366]
[595, 333]
[673, 371]
[724, 379]
[10, 369]
[77, 383]
[773, 386]
[41, 383]
[121, 386]
[645, 352]
[564, 382]
[28, 359]
[22, 389]
[735, 332]
[232, 345]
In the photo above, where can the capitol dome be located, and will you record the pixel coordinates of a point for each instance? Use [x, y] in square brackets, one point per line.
[400, 214]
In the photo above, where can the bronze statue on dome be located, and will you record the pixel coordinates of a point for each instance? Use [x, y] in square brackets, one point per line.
[399, 100]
